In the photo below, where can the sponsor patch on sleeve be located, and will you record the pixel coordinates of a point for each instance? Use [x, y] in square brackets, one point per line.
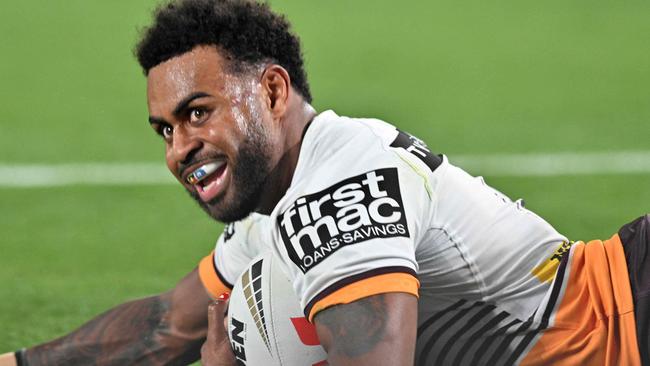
[418, 148]
[364, 207]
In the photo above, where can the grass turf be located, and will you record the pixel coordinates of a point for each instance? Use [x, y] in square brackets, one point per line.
[467, 77]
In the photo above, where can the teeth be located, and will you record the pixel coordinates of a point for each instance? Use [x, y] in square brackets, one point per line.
[203, 171]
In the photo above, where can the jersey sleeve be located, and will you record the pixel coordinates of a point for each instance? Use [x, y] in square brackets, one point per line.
[351, 230]
[240, 242]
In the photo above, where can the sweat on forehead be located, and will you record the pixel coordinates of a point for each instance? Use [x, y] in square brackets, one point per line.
[201, 70]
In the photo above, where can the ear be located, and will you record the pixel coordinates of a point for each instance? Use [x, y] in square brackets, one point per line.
[276, 86]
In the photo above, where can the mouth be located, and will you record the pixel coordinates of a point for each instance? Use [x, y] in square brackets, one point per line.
[209, 179]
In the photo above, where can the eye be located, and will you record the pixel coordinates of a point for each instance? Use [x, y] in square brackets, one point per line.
[198, 115]
[166, 131]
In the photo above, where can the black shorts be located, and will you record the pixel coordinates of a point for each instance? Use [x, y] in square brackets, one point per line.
[635, 237]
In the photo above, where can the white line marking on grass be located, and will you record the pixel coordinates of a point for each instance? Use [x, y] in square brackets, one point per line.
[84, 174]
[556, 164]
[510, 165]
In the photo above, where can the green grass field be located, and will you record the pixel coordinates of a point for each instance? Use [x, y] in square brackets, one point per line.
[468, 77]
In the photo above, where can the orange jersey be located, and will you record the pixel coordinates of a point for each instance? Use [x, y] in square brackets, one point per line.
[589, 319]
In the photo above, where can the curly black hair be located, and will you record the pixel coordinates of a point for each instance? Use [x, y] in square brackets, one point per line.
[244, 31]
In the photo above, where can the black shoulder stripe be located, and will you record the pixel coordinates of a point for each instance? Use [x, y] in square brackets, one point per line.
[418, 148]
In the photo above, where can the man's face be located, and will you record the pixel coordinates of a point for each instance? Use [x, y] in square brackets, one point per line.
[215, 129]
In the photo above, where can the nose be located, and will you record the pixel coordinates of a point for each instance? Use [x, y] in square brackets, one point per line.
[184, 147]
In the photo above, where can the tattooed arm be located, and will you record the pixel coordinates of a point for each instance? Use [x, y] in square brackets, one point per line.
[377, 330]
[161, 330]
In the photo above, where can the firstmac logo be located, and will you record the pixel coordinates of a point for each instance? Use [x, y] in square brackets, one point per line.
[354, 210]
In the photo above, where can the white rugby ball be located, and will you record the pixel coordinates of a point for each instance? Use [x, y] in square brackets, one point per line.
[266, 325]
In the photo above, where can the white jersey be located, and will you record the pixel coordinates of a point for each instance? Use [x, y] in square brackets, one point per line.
[371, 210]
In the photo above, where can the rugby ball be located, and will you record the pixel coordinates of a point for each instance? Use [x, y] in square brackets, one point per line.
[266, 325]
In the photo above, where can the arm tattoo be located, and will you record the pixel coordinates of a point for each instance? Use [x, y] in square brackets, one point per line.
[356, 327]
[135, 333]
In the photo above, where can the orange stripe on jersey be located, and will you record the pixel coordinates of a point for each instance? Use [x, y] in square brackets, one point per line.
[380, 284]
[210, 278]
[594, 322]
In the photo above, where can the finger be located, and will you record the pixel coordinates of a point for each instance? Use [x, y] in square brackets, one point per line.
[216, 310]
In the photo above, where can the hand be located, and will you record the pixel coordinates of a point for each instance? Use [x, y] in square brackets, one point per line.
[216, 350]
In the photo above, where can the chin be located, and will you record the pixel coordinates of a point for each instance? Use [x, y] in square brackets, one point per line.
[228, 209]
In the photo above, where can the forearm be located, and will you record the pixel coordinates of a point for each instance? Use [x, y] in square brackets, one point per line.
[134, 333]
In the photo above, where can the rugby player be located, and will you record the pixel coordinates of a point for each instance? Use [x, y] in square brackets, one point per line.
[397, 256]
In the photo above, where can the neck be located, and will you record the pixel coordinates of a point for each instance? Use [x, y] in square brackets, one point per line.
[292, 128]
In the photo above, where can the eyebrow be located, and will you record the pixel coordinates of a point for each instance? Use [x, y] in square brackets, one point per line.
[158, 120]
[179, 107]
[187, 100]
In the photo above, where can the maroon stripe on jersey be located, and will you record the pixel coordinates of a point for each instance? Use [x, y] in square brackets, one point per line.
[216, 270]
[635, 237]
[355, 278]
[557, 288]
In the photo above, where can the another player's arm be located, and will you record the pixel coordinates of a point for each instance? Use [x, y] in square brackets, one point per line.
[167, 329]
[376, 330]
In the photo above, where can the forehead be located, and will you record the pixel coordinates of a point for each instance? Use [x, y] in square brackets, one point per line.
[201, 69]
